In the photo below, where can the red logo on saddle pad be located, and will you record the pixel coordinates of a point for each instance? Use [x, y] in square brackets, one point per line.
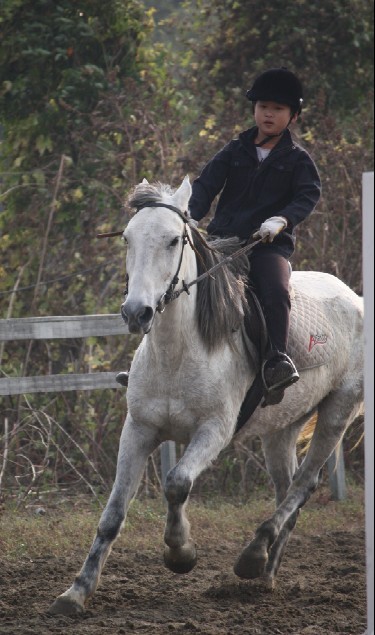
[318, 338]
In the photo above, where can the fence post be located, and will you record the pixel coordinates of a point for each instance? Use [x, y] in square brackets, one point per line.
[168, 458]
[336, 473]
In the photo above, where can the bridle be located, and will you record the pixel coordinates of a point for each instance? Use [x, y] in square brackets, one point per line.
[171, 294]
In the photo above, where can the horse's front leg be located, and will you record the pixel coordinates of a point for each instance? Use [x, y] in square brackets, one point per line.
[180, 553]
[136, 444]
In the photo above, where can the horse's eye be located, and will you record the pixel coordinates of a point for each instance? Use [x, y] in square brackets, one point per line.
[174, 242]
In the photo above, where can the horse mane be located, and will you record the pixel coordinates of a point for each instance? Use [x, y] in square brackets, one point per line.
[221, 299]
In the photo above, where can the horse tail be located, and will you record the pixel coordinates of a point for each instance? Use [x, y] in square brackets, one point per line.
[306, 434]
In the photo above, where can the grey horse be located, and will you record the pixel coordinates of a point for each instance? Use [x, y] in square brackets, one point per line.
[191, 373]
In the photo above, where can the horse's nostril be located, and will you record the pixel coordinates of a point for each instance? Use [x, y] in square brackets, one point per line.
[124, 315]
[137, 317]
[145, 315]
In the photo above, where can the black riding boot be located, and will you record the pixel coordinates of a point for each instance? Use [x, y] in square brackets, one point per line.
[278, 372]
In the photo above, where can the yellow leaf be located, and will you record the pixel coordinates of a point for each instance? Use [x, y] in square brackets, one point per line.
[78, 194]
[308, 136]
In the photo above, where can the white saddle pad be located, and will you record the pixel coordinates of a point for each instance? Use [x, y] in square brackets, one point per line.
[311, 336]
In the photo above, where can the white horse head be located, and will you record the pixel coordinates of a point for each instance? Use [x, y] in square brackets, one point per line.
[152, 271]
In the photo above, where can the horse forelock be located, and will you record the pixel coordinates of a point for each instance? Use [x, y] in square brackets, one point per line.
[146, 194]
[221, 300]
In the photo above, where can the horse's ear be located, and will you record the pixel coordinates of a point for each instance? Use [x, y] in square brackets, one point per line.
[182, 195]
[145, 182]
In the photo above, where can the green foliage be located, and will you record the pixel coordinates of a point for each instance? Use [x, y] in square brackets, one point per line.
[57, 61]
[62, 50]
[80, 94]
[329, 45]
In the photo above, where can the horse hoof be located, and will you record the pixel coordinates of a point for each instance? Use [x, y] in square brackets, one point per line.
[182, 559]
[269, 583]
[63, 605]
[251, 563]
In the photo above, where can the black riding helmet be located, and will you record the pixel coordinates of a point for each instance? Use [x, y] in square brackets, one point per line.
[279, 85]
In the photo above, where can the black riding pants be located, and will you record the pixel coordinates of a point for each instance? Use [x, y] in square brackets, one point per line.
[269, 275]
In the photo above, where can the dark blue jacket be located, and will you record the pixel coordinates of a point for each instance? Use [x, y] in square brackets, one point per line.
[286, 184]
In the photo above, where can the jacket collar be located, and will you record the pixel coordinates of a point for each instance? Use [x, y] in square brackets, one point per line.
[247, 139]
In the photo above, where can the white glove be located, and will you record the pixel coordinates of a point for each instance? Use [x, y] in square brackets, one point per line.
[192, 221]
[270, 228]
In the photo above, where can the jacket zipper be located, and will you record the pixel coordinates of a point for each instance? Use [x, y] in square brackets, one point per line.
[267, 160]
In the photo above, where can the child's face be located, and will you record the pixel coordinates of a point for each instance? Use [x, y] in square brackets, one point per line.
[271, 117]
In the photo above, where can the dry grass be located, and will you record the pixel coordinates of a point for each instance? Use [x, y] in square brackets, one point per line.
[69, 525]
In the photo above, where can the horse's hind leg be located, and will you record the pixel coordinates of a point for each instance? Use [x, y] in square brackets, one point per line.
[180, 553]
[282, 478]
[336, 412]
[136, 445]
[279, 450]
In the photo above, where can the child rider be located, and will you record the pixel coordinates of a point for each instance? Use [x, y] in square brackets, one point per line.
[268, 185]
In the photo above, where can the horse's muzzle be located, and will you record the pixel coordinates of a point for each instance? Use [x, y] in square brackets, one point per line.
[138, 317]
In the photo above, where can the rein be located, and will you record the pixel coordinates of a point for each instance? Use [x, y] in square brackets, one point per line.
[170, 293]
[241, 252]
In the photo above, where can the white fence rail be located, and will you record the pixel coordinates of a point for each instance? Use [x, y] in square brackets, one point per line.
[59, 327]
[65, 327]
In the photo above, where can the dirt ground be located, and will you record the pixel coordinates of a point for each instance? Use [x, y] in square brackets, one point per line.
[321, 590]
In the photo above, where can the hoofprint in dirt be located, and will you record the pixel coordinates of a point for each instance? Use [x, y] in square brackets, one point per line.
[321, 587]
